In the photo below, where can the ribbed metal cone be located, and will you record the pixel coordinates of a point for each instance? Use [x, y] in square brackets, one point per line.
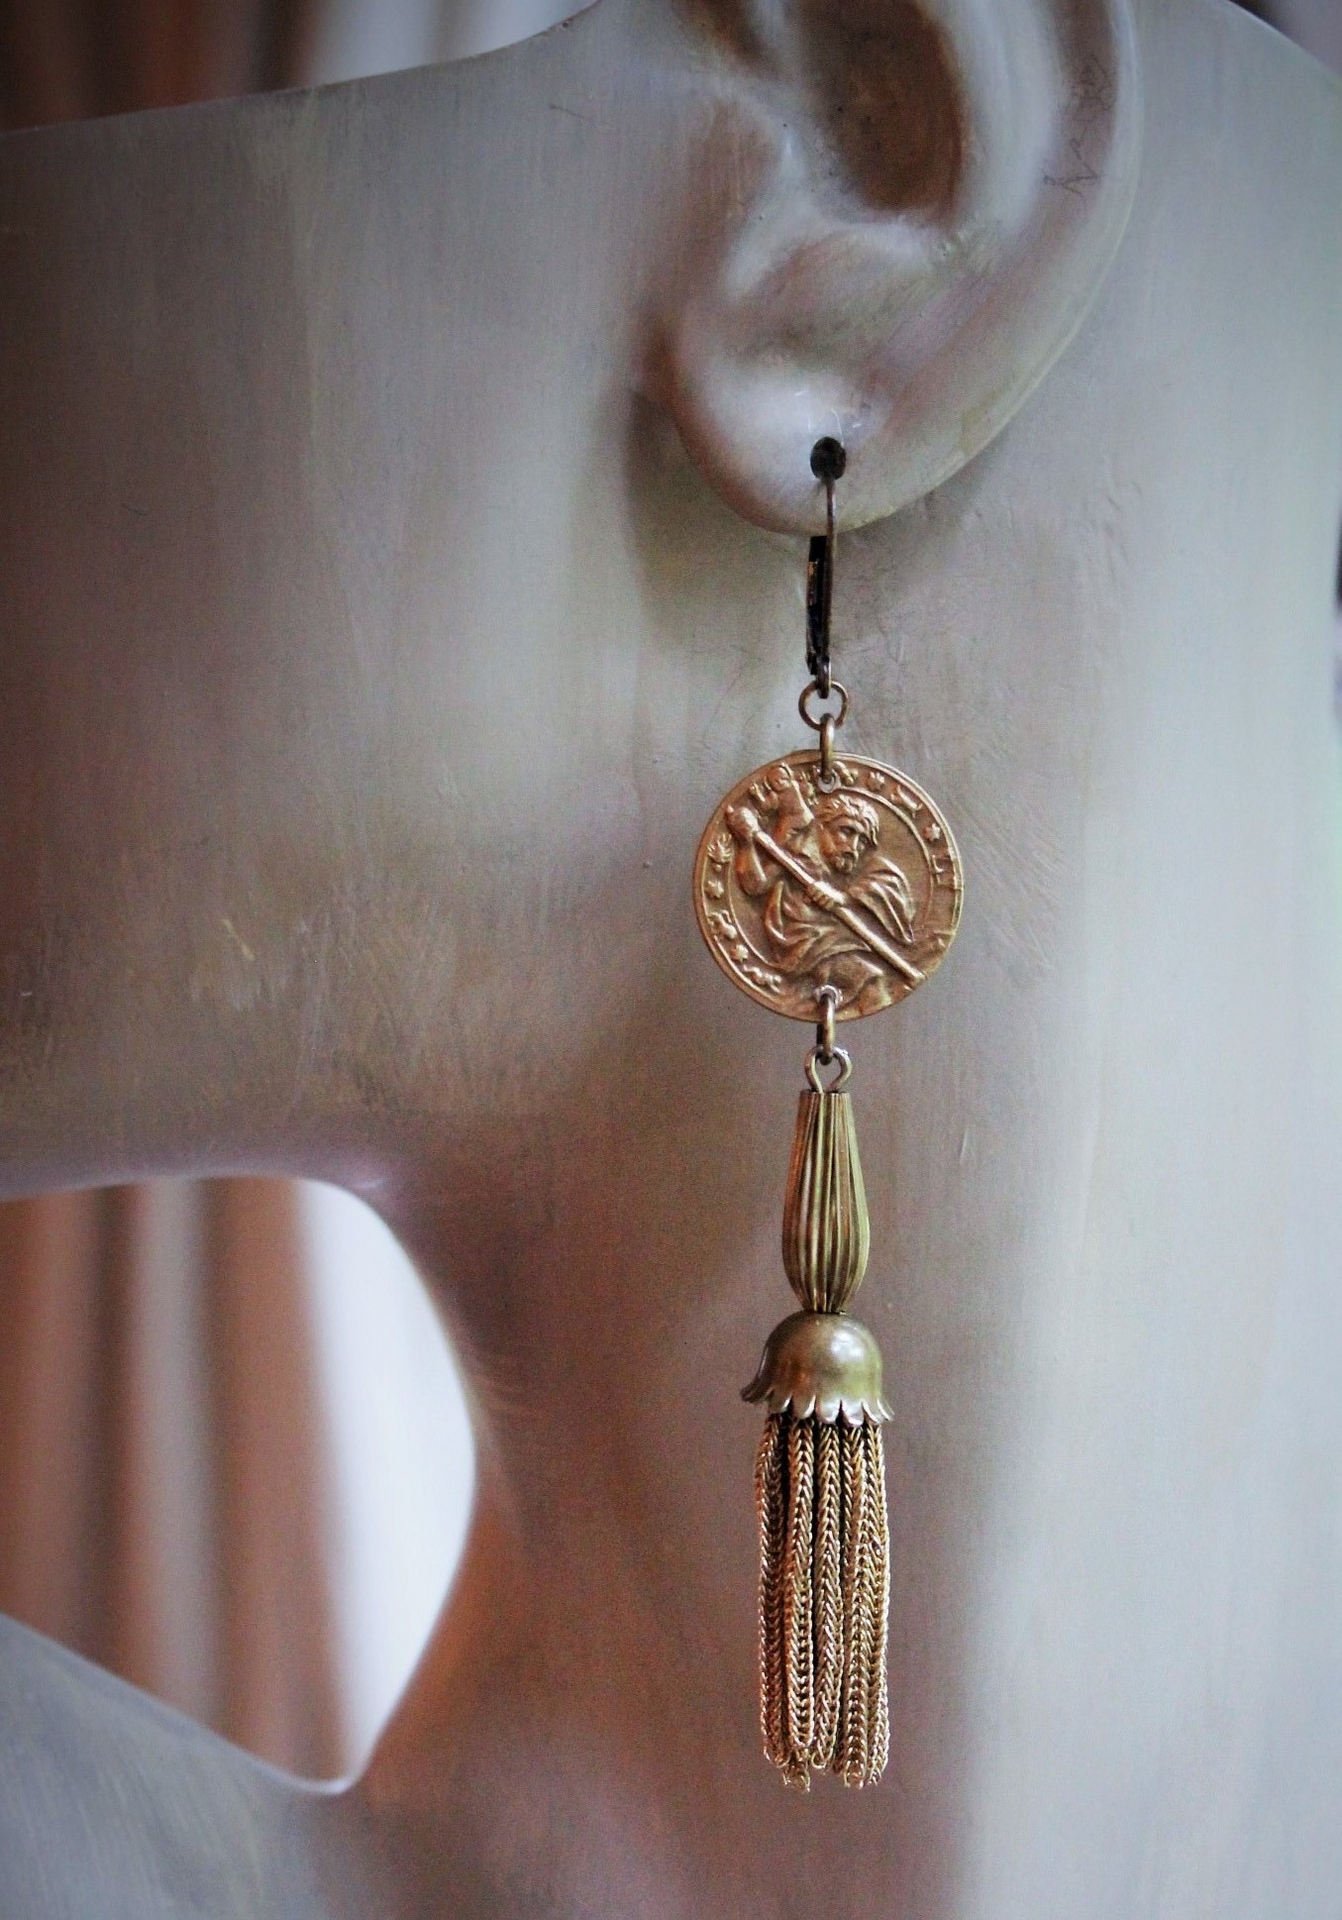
[826, 1233]
[821, 1364]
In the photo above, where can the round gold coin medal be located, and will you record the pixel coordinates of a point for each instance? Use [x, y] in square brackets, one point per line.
[851, 883]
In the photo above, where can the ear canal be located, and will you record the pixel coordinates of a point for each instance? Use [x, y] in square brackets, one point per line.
[940, 188]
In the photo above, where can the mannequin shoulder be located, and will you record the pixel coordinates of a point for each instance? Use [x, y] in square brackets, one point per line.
[113, 1807]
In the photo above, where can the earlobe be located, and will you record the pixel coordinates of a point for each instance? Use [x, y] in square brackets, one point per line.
[947, 182]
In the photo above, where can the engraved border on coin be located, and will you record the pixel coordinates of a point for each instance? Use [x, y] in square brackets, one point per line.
[742, 957]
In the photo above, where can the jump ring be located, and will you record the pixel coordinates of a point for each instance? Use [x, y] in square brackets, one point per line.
[824, 1033]
[827, 778]
[845, 1073]
[817, 720]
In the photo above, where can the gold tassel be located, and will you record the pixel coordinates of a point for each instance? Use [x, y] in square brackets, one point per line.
[824, 1599]
[820, 1479]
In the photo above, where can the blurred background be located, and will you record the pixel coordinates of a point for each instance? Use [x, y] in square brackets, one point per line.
[235, 1459]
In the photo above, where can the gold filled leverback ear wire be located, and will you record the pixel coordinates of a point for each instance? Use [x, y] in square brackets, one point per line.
[827, 887]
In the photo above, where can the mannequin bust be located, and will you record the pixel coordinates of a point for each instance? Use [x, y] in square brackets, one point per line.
[374, 652]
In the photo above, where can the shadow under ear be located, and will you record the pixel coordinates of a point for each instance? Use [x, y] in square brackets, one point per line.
[936, 189]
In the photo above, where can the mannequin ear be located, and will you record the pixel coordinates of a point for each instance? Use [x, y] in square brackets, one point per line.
[936, 188]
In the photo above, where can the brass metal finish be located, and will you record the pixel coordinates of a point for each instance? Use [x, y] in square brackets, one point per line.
[815, 690]
[827, 889]
[856, 888]
[826, 1232]
[828, 998]
[821, 1365]
[827, 779]
[836, 1056]
[824, 1599]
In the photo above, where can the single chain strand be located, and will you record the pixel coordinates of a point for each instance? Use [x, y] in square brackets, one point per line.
[770, 1500]
[868, 1661]
[828, 1577]
[879, 1574]
[861, 1655]
[850, 1759]
[800, 1726]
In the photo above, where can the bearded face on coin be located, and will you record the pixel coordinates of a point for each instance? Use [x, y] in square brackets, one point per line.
[838, 839]
[850, 883]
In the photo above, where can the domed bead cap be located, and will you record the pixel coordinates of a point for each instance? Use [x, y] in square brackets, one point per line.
[823, 1364]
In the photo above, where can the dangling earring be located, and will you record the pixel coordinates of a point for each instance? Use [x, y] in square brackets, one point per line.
[827, 887]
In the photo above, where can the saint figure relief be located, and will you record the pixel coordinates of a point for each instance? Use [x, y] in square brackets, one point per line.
[836, 901]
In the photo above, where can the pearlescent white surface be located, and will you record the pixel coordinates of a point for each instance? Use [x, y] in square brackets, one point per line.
[400, 1447]
[353, 38]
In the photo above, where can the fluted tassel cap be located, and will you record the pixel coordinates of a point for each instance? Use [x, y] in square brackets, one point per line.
[823, 1365]
[826, 1235]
